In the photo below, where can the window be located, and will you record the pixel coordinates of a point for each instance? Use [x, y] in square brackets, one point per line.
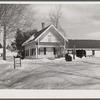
[93, 52]
[44, 51]
[41, 50]
[32, 52]
[54, 51]
[27, 53]
[49, 38]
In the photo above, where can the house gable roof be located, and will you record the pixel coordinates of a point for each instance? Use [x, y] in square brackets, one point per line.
[39, 33]
[35, 35]
[84, 43]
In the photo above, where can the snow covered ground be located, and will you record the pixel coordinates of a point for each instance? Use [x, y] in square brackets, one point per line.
[51, 74]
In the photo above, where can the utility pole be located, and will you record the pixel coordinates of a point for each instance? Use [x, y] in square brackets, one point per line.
[74, 52]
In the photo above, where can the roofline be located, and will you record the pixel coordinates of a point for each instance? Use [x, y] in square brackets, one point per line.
[27, 41]
[60, 33]
[55, 29]
[85, 39]
[43, 32]
[85, 48]
[36, 38]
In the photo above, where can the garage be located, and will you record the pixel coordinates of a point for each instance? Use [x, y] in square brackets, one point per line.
[86, 48]
[80, 53]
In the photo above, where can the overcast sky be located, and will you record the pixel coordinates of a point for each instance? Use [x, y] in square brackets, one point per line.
[80, 21]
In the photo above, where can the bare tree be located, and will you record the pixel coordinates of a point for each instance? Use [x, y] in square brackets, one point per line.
[12, 16]
[55, 17]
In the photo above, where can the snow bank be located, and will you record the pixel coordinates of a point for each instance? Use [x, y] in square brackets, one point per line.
[1, 50]
[58, 59]
[75, 56]
[36, 60]
[8, 52]
[45, 60]
[41, 60]
[3, 62]
[97, 53]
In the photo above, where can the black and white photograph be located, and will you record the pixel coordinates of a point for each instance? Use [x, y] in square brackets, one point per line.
[50, 46]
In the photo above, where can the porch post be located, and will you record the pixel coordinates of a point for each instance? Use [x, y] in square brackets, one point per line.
[74, 52]
[29, 52]
[37, 49]
[64, 47]
[36, 53]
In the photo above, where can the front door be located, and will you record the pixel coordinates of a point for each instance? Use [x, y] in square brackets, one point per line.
[49, 52]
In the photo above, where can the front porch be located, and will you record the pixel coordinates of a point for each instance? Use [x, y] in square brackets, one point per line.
[49, 52]
[44, 52]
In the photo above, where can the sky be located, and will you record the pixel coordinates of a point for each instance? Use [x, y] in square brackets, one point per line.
[79, 21]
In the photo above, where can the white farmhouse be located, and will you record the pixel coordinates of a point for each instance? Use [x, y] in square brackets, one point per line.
[47, 43]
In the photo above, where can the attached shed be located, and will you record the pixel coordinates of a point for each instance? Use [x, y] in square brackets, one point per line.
[91, 47]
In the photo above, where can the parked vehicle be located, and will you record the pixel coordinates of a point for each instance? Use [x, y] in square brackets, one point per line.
[68, 57]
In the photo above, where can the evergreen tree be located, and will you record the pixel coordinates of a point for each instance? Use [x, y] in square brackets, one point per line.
[20, 38]
[0, 46]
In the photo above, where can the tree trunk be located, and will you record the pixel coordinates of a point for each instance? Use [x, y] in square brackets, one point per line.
[4, 34]
[4, 43]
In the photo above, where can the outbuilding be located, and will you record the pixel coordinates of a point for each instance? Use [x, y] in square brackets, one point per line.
[84, 47]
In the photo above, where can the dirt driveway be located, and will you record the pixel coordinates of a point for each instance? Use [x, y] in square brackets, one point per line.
[51, 74]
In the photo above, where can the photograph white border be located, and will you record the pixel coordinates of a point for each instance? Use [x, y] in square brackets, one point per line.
[23, 93]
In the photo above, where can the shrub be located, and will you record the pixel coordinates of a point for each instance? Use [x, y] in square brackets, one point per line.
[21, 54]
[68, 57]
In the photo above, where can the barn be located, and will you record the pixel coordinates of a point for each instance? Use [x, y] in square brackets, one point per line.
[46, 43]
[84, 47]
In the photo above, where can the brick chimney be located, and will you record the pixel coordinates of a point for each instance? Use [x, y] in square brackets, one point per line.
[43, 25]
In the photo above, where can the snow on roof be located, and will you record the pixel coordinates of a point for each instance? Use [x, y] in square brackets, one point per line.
[31, 38]
[39, 33]
[1, 50]
[34, 36]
